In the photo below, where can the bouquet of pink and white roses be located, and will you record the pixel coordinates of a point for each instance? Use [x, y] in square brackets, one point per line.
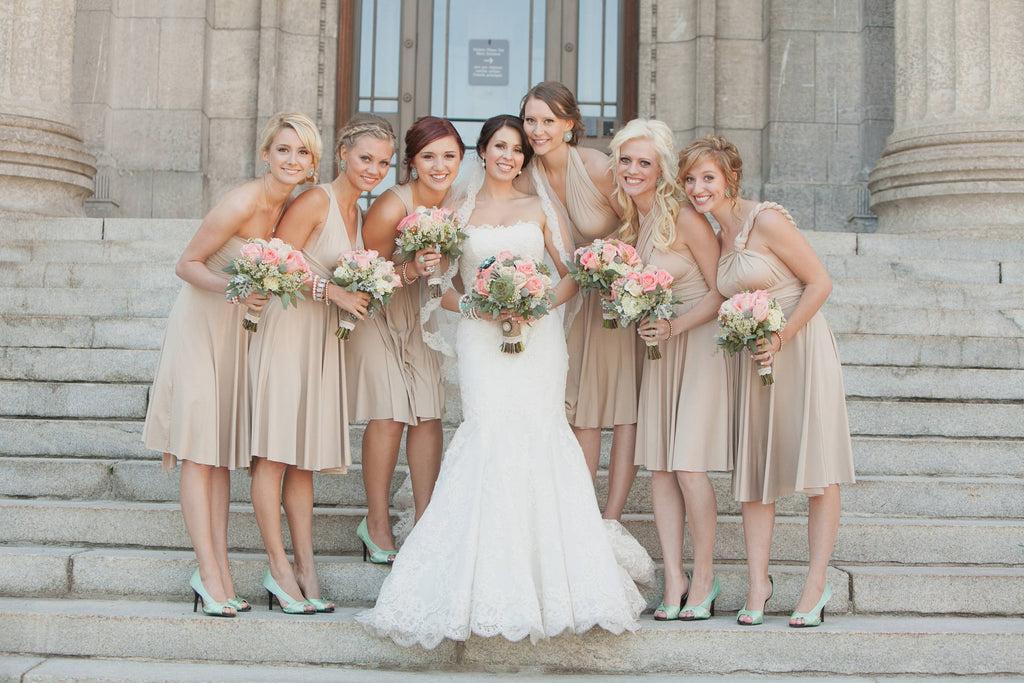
[644, 294]
[271, 268]
[747, 317]
[599, 264]
[364, 270]
[514, 285]
[431, 228]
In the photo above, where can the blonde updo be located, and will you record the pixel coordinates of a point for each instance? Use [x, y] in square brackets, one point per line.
[722, 153]
[361, 125]
[667, 192]
[304, 128]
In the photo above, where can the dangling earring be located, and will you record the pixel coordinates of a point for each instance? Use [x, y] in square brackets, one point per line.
[266, 167]
[310, 174]
[659, 181]
[567, 136]
[414, 174]
[483, 162]
[728, 192]
[342, 165]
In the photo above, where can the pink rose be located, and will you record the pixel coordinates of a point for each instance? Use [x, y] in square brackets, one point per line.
[271, 256]
[629, 254]
[481, 287]
[649, 281]
[363, 260]
[534, 286]
[760, 310]
[526, 268]
[294, 261]
[590, 261]
[608, 252]
[485, 274]
[664, 278]
[505, 256]
[251, 251]
[408, 222]
[396, 281]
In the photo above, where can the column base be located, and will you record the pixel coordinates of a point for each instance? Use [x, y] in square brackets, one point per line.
[953, 177]
[44, 168]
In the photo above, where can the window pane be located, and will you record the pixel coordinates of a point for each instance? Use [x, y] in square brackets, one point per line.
[591, 34]
[611, 52]
[385, 81]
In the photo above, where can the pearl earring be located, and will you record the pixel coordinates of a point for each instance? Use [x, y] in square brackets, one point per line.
[414, 174]
[342, 165]
[567, 136]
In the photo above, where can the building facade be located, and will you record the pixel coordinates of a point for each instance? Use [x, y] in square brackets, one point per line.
[152, 108]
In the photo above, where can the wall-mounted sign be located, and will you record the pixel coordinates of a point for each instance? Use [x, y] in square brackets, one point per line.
[488, 62]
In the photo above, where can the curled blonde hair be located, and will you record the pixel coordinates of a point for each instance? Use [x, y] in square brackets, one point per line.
[723, 154]
[360, 125]
[304, 128]
[667, 192]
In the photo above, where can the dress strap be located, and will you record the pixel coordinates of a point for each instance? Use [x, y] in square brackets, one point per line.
[740, 243]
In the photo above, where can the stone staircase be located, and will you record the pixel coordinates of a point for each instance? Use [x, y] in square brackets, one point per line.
[927, 570]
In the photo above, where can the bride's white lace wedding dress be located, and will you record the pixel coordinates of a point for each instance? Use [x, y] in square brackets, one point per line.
[512, 542]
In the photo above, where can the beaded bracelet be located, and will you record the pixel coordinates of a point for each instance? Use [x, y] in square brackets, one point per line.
[405, 274]
[782, 342]
[234, 300]
[670, 332]
[466, 308]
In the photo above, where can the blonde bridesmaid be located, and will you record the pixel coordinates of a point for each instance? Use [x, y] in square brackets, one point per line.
[604, 364]
[394, 378]
[297, 366]
[683, 430]
[199, 404]
[793, 436]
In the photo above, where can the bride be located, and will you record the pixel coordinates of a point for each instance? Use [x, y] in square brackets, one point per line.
[512, 542]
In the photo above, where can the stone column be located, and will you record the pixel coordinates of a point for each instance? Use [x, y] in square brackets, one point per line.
[955, 159]
[44, 167]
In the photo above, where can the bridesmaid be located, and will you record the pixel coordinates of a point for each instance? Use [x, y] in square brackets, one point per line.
[604, 365]
[793, 436]
[199, 404]
[300, 410]
[683, 430]
[394, 378]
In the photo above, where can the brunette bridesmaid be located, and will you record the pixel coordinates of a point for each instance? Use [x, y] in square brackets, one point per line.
[792, 436]
[604, 364]
[297, 366]
[199, 404]
[394, 378]
[683, 429]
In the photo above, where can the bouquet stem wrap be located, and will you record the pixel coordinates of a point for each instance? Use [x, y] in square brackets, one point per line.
[434, 283]
[653, 350]
[346, 325]
[611, 320]
[766, 374]
[511, 336]
[251, 321]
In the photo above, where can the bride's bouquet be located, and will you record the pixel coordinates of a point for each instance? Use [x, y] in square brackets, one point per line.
[746, 317]
[515, 285]
[365, 270]
[431, 228]
[599, 264]
[644, 294]
[272, 268]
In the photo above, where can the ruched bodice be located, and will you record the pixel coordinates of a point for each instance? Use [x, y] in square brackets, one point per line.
[590, 215]
[229, 251]
[744, 269]
[688, 284]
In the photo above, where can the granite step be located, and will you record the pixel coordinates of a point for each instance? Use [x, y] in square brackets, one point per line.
[81, 331]
[73, 399]
[927, 295]
[900, 454]
[94, 229]
[842, 267]
[148, 630]
[112, 252]
[78, 365]
[931, 350]
[862, 539]
[142, 302]
[133, 480]
[868, 318]
[88, 276]
[140, 574]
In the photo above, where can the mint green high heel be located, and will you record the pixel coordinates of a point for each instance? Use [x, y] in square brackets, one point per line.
[706, 609]
[756, 616]
[672, 613]
[816, 616]
[321, 605]
[240, 604]
[289, 605]
[376, 555]
[210, 606]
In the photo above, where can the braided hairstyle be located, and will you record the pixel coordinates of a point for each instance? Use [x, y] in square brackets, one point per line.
[360, 125]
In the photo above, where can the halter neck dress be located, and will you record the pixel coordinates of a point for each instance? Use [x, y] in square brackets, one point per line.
[683, 415]
[604, 365]
[392, 373]
[297, 368]
[792, 436]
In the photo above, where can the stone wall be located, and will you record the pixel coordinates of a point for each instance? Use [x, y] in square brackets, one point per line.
[155, 81]
[803, 87]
